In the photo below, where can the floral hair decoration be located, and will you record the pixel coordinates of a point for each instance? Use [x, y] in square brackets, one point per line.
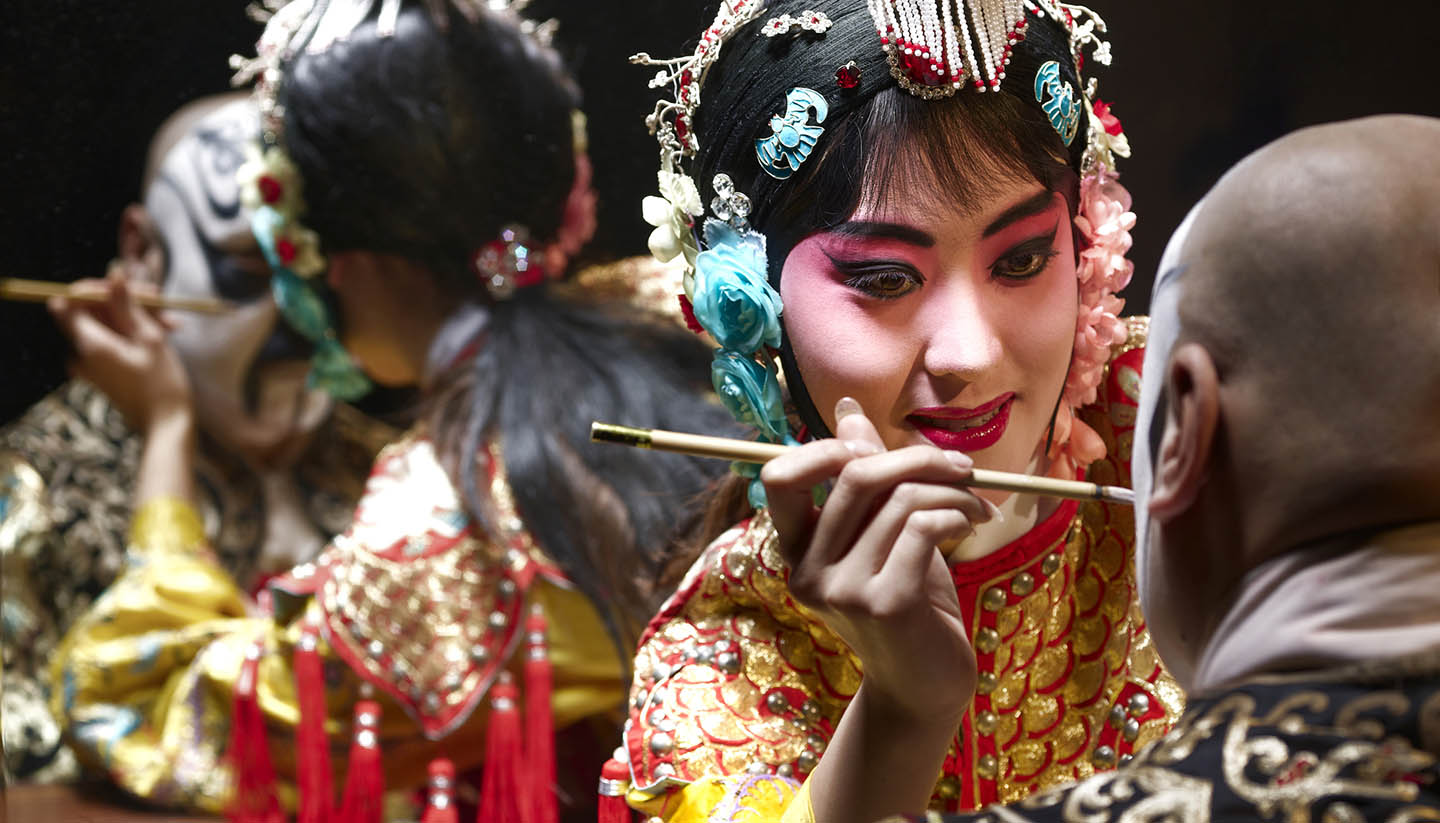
[270, 189]
[935, 48]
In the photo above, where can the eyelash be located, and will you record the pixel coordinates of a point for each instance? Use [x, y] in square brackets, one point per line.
[1039, 261]
[870, 279]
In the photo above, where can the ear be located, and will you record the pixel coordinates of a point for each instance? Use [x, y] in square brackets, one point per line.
[140, 246]
[337, 265]
[1192, 387]
[354, 269]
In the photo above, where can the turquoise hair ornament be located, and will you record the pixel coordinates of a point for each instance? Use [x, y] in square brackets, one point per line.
[794, 136]
[332, 370]
[1057, 98]
[732, 298]
[750, 391]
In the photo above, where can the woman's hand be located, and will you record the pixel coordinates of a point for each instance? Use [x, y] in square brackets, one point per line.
[868, 564]
[867, 561]
[125, 352]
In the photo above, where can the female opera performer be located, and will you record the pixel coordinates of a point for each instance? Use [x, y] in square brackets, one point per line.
[924, 227]
[421, 181]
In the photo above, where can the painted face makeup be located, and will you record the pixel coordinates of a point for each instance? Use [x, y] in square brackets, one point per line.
[951, 328]
[247, 368]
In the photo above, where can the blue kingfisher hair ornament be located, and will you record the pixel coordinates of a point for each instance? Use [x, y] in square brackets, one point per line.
[794, 136]
[1057, 98]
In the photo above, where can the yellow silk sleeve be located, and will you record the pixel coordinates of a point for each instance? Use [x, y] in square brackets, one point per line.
[736, 798]
[137, 682]
[800, 810]
[167, 524]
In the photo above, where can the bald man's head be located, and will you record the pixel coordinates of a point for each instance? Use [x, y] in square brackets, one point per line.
[1291, 389]
[1312, 278]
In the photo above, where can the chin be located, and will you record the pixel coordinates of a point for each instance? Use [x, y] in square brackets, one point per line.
[382, 366]
[396, 379]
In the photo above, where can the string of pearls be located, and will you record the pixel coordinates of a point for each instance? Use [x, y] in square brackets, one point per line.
[957, 40]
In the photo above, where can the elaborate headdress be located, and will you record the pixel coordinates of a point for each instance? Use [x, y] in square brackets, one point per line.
[933, 49]
[272, 189]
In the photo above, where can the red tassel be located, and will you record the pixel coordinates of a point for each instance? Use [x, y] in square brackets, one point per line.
[538, 777]
[500, 793]
[254, 800]
[312, 762]
[365, 783]
[614, 782]
[440, 808]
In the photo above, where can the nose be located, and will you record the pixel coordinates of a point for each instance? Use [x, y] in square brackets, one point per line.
[960, 337]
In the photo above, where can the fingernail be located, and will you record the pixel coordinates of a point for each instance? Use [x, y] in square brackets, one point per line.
[960, 459]
[846, 407]
[860, 448]
[996, 516]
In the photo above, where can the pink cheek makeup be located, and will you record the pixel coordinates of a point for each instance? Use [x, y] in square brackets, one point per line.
[962, 429]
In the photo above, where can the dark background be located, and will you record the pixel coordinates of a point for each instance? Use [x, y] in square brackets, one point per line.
[84, 84]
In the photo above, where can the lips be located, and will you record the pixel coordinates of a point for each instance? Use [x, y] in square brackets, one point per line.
[967, 430]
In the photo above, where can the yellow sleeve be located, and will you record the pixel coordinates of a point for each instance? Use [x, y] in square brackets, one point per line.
[800, 810]
[728, 799]
[165, 525]
[140, 684]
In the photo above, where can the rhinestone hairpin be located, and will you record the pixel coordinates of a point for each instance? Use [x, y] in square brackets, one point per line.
[814, 22]
[728, 204]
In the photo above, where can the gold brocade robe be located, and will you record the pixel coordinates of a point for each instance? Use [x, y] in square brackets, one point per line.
[411, 599]
[738, 688]
[67, 472]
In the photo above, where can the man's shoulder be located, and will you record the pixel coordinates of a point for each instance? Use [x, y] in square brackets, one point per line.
[1320, 747]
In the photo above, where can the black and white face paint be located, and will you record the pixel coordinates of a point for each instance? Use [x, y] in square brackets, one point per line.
[1149, 429]
[248, 369]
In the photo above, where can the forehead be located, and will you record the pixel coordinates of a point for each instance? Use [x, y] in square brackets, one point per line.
[195, 182]
[911, 194]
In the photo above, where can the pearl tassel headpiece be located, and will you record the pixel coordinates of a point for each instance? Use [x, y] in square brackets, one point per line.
[935, 47]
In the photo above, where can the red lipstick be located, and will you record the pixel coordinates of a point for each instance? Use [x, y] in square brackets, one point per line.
[962, 429]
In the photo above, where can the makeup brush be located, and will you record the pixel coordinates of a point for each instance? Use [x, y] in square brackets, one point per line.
[38, 291]
[745, 451]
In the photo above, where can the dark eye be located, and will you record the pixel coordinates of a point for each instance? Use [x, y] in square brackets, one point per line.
[240, 278]
[1023, 265]
[885, 284]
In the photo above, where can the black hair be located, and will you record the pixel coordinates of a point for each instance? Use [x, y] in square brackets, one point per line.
[425, 144]
[968, 142]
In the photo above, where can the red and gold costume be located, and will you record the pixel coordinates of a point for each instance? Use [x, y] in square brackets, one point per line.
[412, 602]
[738, 688]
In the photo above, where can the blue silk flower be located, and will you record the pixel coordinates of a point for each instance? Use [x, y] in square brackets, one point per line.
[750, 392]
[732, 297]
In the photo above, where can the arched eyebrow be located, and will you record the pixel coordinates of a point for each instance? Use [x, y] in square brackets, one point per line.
[1029, 207]
[875, 230]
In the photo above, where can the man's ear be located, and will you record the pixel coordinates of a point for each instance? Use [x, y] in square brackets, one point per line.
[141, 248]
[1192, 399]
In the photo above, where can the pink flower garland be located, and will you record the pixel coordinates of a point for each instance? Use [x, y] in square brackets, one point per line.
[1105, 221]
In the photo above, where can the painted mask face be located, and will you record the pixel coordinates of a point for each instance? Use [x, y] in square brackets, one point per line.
[953, 327]
[247, 368]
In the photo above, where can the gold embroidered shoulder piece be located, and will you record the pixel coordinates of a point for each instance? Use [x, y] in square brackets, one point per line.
[418, 602]
[734, 677]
